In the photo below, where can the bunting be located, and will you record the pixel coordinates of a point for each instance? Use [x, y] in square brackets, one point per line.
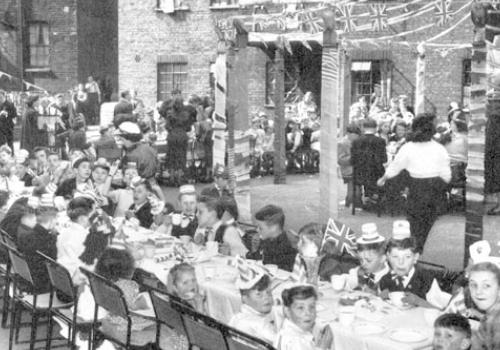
[28, 85]
[311, 22]
[443, 13]
[347, 18]
[378, 17]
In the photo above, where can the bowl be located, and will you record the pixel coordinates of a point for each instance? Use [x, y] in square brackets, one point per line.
[396, 298]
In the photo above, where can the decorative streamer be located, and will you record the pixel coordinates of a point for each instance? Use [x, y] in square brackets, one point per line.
[28, 85]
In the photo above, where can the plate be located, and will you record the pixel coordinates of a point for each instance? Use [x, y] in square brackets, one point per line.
[407, 335]
[369, 328]
[320, 308]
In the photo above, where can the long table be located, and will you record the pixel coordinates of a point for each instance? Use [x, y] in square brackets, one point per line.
[217, 277]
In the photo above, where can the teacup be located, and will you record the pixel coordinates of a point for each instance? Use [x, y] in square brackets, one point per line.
[397, 298]
[346, 315]
[185, 239]
[338, 282]
[149, 251]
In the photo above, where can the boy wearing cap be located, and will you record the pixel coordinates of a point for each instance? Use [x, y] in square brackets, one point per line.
[372, 258]
[220, 187]
[257, 316]
[184, 223]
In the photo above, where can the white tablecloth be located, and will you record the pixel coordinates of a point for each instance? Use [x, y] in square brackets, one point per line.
[217, 279]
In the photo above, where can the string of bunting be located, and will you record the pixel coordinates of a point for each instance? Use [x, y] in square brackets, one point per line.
[28, 85]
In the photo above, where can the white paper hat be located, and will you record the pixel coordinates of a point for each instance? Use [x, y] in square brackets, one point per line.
[33, 202]
[47, 200]
[480, 252]
[187, 189]
[51, 188]
[369, 234]
[401, 229]
[249, 274]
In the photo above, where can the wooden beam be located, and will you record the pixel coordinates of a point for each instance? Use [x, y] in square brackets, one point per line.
[420, 81]
[279, 118]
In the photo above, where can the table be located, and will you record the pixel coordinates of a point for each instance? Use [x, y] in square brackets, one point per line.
[216, 277]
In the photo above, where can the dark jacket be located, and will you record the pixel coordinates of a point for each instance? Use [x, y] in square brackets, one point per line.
[145, 157]
[420, 283]
[189, 230]
[144, 215]
[7, 122]
[212, 191]
[66, 188]
[38, 239]
[106, 147]
[368, 155]
[279, 251]
[123, 112]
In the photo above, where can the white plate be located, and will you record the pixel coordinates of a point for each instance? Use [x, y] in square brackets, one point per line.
[405, 335]
[369, 328]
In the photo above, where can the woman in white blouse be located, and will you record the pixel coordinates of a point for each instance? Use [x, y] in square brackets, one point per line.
[428, 164]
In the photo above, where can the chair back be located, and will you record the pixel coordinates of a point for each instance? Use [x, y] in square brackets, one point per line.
[60, 279]
[237, 340]
[148, 280]
[203, 331]
[167, 310]
[107, 295]
[7, 239]
[19, 265]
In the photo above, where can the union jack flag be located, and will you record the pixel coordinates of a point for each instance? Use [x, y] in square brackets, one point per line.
[442, 12]
[346, 17]
[378, 17]
[299, 273]
[342, 235]
[310, 22]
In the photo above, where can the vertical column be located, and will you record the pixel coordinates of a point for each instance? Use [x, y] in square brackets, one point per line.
[420, 81]
[279, 116]
[329, 113]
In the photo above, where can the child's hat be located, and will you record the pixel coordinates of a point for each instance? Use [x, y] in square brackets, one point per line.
[480, 252]
[23, 153]
[249, 274]
[187, 189]
[21, 159]
[131, 165]
[51, 188]
[47, 200]
[369, 234]
[33, 202]
[401, 229]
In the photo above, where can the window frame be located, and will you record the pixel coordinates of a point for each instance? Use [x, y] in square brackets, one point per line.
[37, 58]
[179, 78]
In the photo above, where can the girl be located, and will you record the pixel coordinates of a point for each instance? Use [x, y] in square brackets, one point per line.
[117, 265]
[300, 331]
[141, 209]
[123, 198]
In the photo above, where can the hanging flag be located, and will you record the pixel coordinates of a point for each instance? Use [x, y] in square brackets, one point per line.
[287, 45]
[378, 17]
[346, 17]
[299, 273]
[342, 235]
[306, 45]
[442, 12]
[310, 22]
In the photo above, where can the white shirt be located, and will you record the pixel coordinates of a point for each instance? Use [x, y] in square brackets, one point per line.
[422, 160]
[70, 245]
[264, 326]
[292, 337]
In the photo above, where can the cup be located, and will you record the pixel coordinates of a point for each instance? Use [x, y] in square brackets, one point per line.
[397, 298]
[346, 315]
[272, 268]
[185, 239]
[149, 251]
[213, 247]
[338, 282]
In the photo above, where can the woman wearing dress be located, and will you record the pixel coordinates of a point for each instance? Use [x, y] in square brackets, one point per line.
[30, 135]
[94, 100]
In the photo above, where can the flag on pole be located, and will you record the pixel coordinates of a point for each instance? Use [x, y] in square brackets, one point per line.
[299, 273]
[310, 22]
[442, 12]
[341, 235]
[378, 17]
[346, 17]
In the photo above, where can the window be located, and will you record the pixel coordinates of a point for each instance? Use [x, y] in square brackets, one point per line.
[223, 3]
[39, 49]
[172, 77]
[270, 83]
[365, 74]
[466, 82]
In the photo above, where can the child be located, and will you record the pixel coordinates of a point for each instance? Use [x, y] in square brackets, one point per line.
[43, 240]
[185, 222]
[276, 246]
[256, 316]
[123, 197]
[28, 218]
[141, 209]
[5, 154]
[451, 332]
[22, 172]
[211, 228]
[162, 219]
[117, 265]
[420, 286]
[371, 254]
[82, 169]
[300, 331]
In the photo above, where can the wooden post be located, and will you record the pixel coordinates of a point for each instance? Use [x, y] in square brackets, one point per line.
[20, 43]
[420, 81]
[279, 116]
[329, 114]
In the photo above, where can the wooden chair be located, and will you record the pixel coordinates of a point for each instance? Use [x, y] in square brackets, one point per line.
[237, 340]
[5, 272]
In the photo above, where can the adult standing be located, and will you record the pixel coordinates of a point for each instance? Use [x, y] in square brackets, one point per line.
[29, 127]
[428, 164]
[94, 100]
[8, 114]
[492, 154]
[124, 109]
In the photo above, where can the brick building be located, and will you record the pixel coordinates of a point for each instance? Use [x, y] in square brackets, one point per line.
[63, 41]
[159, 52]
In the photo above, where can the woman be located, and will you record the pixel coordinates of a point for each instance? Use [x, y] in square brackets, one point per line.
[30, 135]
[428, 165]
[178, 124]
[457, 148]
[94, 100]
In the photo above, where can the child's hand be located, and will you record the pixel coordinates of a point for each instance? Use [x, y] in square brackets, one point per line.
[414, 300]
[384, 294]
[129, 214]
[325, 338]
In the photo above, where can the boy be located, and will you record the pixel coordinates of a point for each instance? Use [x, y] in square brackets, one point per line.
[22, 172]
[185, 222]
[420, 285]
[371, 254]
[256, 316]
[211, 228]
[220, 187]
[451, 332]
[300, 331]
[276, 246]
[123, 197]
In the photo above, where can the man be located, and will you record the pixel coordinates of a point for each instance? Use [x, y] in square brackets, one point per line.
[220, 187]
[8, 114]
[105, 146]
[368, 155]
[124, 110]
[185, 222]
[277, 245]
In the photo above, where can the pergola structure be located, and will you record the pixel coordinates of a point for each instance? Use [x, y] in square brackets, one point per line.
[335, 103]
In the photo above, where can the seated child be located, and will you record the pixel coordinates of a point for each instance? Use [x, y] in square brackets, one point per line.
[162, 219]
[141, 208]
[420, 286]
[371, 254]
[123, 197]
[451, 332]
[299, 330]
[117, 265]
[257, 316]
[22, 172]
[28, 219]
